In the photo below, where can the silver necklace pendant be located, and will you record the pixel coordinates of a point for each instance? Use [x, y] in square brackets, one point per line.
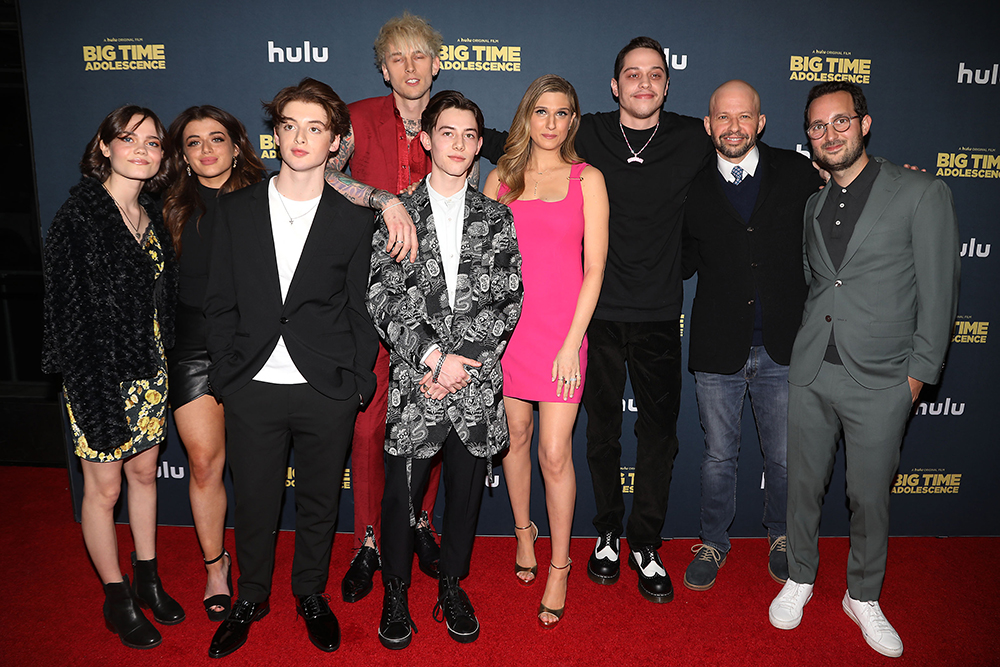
[635, 153]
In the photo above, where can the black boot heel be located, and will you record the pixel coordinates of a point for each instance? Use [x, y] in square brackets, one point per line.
[123, 617]
[149, 591]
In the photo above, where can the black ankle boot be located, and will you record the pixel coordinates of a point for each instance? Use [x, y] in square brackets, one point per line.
[123, 616]
[149, 591]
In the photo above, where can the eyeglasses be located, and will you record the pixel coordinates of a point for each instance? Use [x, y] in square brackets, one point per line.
[841, 124]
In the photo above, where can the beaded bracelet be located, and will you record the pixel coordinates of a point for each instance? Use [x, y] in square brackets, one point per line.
[437, 368]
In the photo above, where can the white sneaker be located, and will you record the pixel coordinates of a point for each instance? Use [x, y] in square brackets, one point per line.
[877, 631]
[785, 611]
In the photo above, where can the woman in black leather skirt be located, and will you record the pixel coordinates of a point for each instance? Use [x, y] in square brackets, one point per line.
[212, 156]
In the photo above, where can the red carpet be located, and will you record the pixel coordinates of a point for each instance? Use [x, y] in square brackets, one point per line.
[51, 611]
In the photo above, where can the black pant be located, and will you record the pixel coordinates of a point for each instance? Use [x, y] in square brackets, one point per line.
[464, 477]
[262, 421]
[652, 352]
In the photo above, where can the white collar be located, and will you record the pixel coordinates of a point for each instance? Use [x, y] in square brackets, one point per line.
[748, 164]
[438, 198]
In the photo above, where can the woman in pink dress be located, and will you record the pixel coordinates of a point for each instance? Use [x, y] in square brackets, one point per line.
[560, 207]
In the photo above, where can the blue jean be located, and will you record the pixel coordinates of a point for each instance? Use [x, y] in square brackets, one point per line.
[720, 406]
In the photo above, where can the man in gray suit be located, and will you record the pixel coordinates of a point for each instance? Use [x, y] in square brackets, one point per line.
[881, 259]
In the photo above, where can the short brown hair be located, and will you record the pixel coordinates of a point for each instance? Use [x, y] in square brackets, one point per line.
[316, 92]
[830, 87]
[95, 165]
[640, 43]
[449, 99]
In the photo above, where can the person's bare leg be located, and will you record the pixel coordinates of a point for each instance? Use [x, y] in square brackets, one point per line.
[140, 471]
[517, 475]
[102, 484]
[555, 458]
[202, 428]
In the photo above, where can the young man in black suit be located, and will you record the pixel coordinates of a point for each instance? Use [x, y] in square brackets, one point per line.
[292, 348]
[743, 236]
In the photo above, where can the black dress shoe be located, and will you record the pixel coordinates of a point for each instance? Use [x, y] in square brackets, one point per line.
[396, 628]
[233, 632]
[427, 549]
[654, 582]
[123, 617]
[149, 591]
[357, 582]
[321, 624]
[454, 606]
[604, 567]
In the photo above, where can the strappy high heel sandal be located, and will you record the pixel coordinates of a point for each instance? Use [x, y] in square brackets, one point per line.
[220, 600]
[532, 570]
[558, 613]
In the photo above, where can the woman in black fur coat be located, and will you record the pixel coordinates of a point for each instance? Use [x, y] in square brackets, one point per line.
[110, 287]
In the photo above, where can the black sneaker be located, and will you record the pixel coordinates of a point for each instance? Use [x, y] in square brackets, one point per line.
[700, 574]
[427, 549]
[453, 606]
[777, 559]
[654, 582]
[396, 628]
[603, 566]
[357, 582]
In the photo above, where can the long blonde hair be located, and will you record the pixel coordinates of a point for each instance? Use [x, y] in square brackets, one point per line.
[517, 150]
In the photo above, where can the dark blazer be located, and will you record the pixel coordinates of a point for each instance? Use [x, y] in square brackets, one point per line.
[409, 305]
[101, 300]
[323, 321]
[892, 301]
[736, 260]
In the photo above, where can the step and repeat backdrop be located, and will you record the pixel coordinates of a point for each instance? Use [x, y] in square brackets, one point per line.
[930, 71]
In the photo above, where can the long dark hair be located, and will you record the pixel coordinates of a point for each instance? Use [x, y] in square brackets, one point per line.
[95, 165]
[182, 198]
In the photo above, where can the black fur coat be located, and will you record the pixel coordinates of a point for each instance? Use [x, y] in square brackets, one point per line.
[100, 296]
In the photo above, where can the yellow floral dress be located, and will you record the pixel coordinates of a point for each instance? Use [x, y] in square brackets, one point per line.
[145, 400]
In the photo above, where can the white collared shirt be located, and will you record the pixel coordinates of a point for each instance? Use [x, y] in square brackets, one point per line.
[449, 219]
[289, 239]
[749, 165]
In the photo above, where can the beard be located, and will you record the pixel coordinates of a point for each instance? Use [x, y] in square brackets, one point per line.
[735, 151]
[851, 153]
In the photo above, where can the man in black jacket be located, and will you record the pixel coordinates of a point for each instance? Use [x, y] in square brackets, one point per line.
[649, 158]
[292, 350]
[743, 236]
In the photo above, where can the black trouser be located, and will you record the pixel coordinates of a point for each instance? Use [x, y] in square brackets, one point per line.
[262, 421]
[652, 352]
[464, 477]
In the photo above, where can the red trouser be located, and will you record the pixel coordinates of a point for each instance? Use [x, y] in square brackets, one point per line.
[368, 462]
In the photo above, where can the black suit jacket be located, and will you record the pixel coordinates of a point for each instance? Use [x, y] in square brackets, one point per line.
[323, 320]
[736, 260]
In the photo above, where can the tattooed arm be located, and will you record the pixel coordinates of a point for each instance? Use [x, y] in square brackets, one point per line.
[402, 234]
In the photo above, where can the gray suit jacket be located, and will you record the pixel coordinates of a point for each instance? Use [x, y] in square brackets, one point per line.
[892, 301]
[409, 306]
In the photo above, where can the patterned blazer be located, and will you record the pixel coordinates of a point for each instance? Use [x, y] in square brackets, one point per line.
[409, 306]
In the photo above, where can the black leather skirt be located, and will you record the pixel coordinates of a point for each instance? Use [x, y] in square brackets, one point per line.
[188, 360]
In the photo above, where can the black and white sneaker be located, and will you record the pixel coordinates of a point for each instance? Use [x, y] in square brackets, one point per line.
[453, 606]
[396, 628]
[654, 582]
[603, 567]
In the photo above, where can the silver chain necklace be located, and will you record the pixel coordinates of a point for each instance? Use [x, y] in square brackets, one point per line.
[635, 154]
[291, 218]
[133, 228]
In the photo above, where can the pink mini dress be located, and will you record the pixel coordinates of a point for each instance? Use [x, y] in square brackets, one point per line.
[550, 238]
